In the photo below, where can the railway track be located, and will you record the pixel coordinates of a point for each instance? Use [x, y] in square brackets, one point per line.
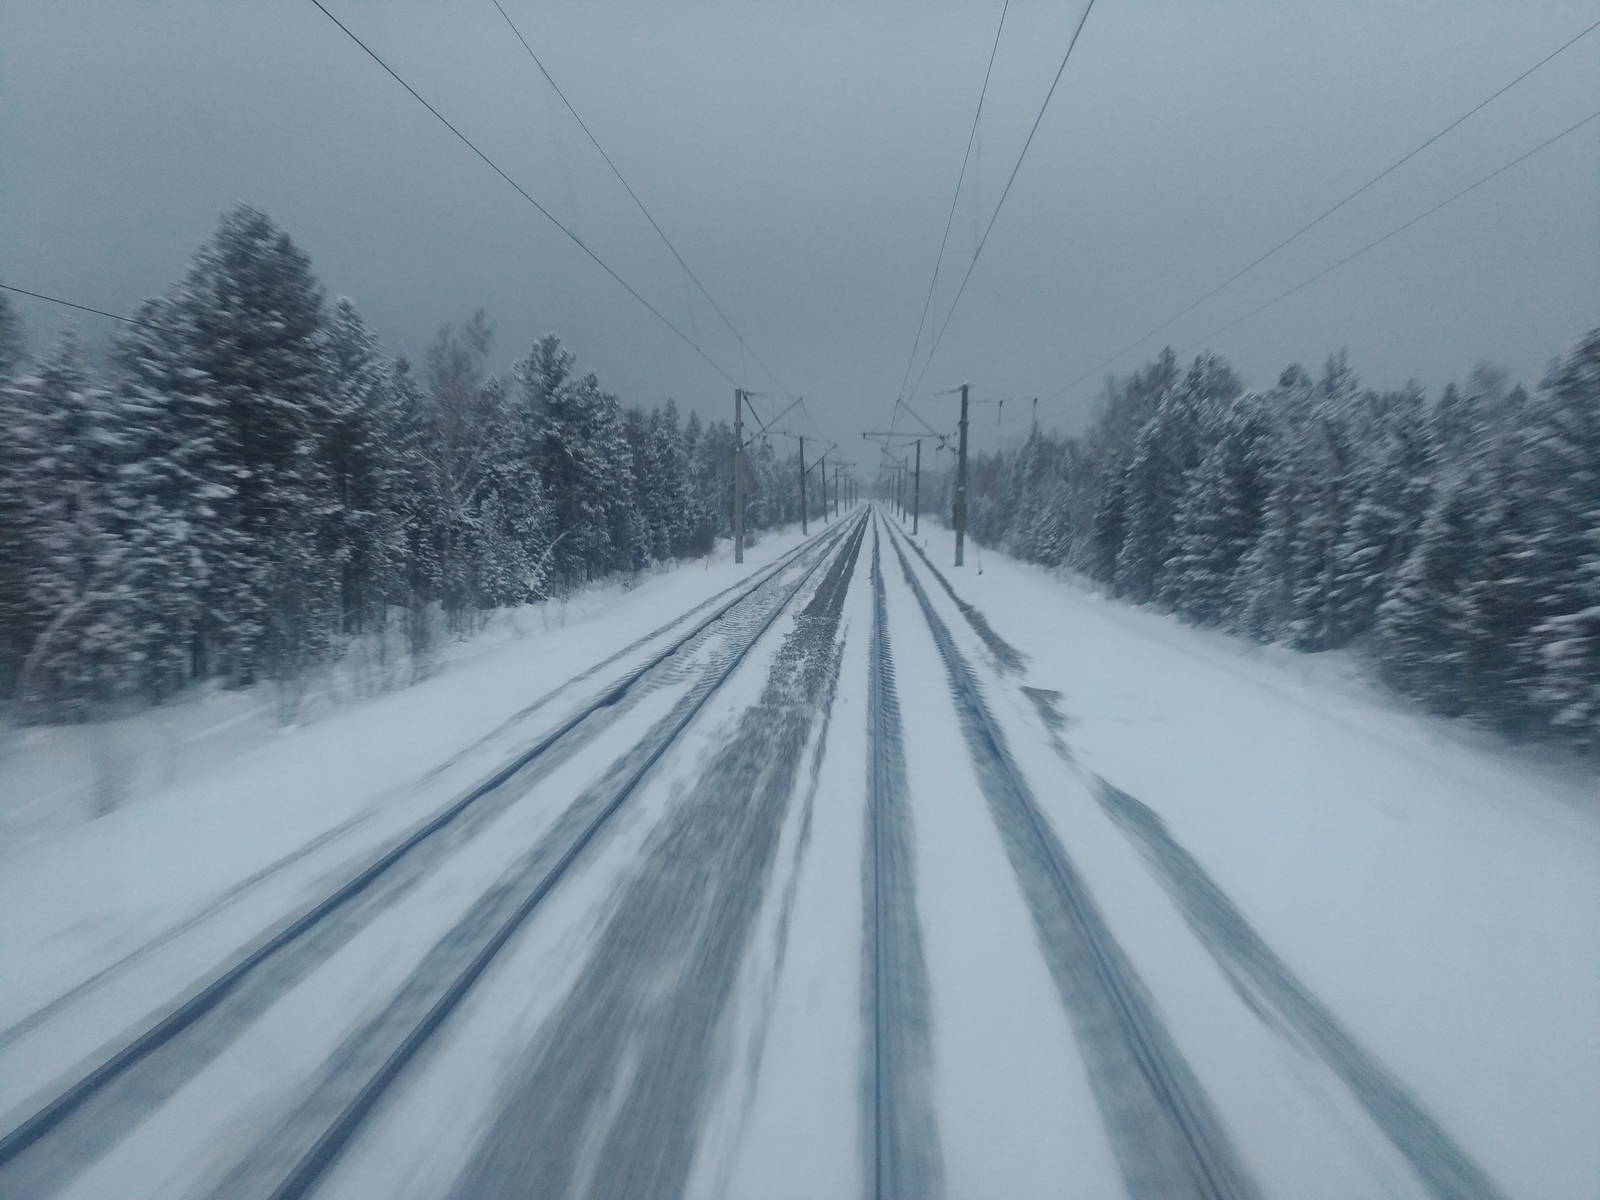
[611, 1095]
[1167, 1139]
[720, 603]
[82, 1119]
[900, 1129]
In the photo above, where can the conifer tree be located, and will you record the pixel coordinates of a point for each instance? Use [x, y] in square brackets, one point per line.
[1221, 514]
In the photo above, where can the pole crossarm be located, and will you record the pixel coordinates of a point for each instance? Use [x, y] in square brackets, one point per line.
[920, 418]
[797, 402]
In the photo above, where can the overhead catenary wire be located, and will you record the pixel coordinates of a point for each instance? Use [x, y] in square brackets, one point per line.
[1329, 211]
[661, 233]
[523, 192]
[1398, 229]
[960, 179]
[1006, 191]
[99, 312]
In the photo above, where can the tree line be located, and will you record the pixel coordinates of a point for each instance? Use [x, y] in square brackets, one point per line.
[252, 487]
[1455, 543]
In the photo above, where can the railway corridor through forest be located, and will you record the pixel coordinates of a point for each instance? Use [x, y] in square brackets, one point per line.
[808, 891]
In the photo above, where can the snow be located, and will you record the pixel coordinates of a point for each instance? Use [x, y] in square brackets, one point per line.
[1016, 1114]
[799, 1132]
[1437, 891]
[1440, 893]
[422, 1137]
[74, 901]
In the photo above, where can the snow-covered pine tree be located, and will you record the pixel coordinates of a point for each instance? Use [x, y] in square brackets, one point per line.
[672, 493]
[472, 446]
[1221, 512]
[1322, 458]
[1035, 530]
[254, 327]
[361, 529]
[1390, 484]
[1569, 645]
[180, 485]
[585, 466]
[73, 621]
[1427, 625]
[1558, 550]
[13, 589]
[1129, 406]
[713, 472]
[1166, 450]
[1263, 600]
[700, 520]
[13, 341]
[649, 486]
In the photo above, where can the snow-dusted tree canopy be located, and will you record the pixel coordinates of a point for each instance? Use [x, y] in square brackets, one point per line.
[1456, 544]
[257, 484]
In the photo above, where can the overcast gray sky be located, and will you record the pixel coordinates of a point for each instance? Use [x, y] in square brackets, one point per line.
[802, 157]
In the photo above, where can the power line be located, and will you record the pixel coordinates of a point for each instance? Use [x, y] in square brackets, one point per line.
[640, 203]
[960, 179]
[1396, 230]
[99, 312]
[983, 241]
[574, 238]
[1315, 221]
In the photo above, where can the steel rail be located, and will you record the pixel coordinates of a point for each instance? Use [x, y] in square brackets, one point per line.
[52, 1114]
[303, 1177]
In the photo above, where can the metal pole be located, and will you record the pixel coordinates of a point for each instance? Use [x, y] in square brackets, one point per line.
[961, 482]
[738, 475]
[916, 490]
[803, 529]
[823, 463]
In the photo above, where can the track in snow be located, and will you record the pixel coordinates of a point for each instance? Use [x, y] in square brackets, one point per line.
[1263, 981]
[900, 1131]
[610, 1098]
[1162, 1126]
[85, 1118]
[1271, 989]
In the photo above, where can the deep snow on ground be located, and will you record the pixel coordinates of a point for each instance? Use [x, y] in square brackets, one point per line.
[1440, 893]
[1437, 892]
[77, 893]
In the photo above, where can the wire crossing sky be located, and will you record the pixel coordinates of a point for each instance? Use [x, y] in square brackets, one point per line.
[961, 176]
[1000, 203]
[615, 170]
[1328, 212]
[799, 159]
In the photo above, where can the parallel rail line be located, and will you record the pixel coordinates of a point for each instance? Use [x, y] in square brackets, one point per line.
[1167, 1138]
[310, 1168]
[50, 1116]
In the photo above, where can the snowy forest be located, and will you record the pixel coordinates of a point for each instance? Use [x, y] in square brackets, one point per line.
[252, 488]
[1455, 544]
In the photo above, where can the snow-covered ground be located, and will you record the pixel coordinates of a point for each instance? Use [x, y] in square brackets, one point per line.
[1434, 895]
[1438, 892]
[79, 894]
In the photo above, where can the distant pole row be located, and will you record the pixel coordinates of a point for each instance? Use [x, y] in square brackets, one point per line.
[843, 491]
[898, 469]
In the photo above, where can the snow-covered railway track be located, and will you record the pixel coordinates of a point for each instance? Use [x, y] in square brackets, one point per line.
[719, 604]
[1445, 1170]
[900, 1129]
[1163, 1129]
[81, 1120]
[611, 1096]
